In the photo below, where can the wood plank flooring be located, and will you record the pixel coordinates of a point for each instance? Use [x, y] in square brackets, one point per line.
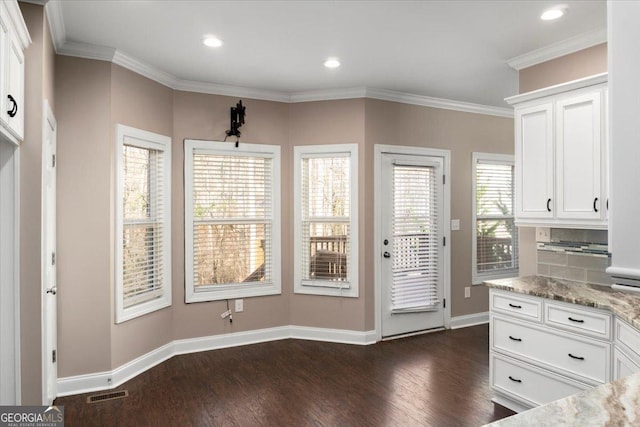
[437, 379]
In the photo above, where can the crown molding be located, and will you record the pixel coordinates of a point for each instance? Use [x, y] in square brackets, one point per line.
[143, 69]
[328, 95]
[102, 53]
[559, 88]
[447, 104]
[228, 90]
[53, 10]
[556, 50]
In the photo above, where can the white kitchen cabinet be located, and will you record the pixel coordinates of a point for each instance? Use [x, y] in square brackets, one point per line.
[534, 161]
[555, 346]
[627, 350]
[561, 155]
[14, 38]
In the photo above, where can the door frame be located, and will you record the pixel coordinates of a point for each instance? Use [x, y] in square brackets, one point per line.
[10, 250]
[379, 150]
[48, 120]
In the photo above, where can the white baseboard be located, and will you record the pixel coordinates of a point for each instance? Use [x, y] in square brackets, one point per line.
[110, 379]
[469, 320]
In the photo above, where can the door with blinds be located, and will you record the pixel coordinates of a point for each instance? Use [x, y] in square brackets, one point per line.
[412, 270]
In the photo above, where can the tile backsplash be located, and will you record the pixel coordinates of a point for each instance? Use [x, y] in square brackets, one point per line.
[580, 255]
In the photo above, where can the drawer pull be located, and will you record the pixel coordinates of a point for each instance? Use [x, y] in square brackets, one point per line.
[576, 320]
[515, 306]
[514, 380]
[575, 357]
[515, 339]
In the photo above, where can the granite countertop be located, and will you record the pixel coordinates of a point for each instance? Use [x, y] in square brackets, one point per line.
[613, 404]
[624, 305]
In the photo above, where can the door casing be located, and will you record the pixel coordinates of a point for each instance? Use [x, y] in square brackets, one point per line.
[379, 150]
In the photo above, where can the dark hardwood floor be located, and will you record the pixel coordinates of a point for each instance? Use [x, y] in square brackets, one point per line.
[437, 379]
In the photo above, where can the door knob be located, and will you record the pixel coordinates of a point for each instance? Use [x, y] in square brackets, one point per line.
[52, 290]
[386, 255]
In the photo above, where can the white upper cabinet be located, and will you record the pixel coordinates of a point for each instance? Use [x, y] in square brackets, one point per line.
[14, 38]
[561, 155]
[534, 162]
[579, 157]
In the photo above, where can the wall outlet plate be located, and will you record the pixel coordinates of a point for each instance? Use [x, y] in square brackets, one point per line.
[543, 234]
[467, 292]
[455, 224]
[239, 305]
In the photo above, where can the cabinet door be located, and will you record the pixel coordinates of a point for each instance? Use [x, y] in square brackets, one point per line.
[579, 158]
[623, 365]
[15, 88]
[534, 162]
[4, 43]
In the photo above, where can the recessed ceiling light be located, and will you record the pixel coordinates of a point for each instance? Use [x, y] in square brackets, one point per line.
[211, 41]
[332, 63]
[553, 13]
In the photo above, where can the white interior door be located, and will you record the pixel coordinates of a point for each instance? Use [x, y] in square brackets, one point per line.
[49, 281]
[9, 276]
[412, 232]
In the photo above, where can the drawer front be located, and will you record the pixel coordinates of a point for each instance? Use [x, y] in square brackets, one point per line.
[575, 319]
[533, 385]
[559, 351]
[628, 335]
[515, 305]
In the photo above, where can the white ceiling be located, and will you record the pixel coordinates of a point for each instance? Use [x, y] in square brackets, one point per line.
[456, 50]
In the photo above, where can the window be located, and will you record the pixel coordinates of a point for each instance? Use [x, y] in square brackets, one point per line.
[326, 229]
[495, 236]
[232, 220]
[143, 222]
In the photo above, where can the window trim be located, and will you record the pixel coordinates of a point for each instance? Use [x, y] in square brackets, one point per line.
[509, 159]
[154, 141]
[308, 151]
[222, 292]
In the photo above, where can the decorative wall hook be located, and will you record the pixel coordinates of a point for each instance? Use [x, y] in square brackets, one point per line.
[237, 115]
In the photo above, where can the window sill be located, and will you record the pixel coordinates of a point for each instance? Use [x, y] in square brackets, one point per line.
[233, 293]
[327, 290]
[478, 280]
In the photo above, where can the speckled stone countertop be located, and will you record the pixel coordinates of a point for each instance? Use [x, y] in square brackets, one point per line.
[613, 404]
[623, 304]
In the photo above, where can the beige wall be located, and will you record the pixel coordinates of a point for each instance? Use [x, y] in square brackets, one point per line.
[144, 104]
[461, 133]
[583, 63]
[38, 78]
[201, 116]
[84, 215]
[330, 122]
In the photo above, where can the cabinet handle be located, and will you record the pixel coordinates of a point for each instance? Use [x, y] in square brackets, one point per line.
[515, 306]
[576, 320]
[607, 203]
[14, 110]
[595, 201]
[575, 357]
[548, 207]
[515, 339]
[514, 380]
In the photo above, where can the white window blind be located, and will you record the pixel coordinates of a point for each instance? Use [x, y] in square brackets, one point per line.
[496, 238]
[416, 241]
[230, 221]
[325, 220]
[143, 223]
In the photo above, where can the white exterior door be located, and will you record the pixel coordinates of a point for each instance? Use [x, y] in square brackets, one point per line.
[49, 282]
[412, 231]
[579, 157]
[534, 162]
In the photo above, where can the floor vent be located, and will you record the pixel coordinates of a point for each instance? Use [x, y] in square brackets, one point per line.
[107, 396]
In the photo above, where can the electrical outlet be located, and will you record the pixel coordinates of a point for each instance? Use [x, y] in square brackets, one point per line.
[239, 305]
[543, 234]
[455, 225]
[467, 292]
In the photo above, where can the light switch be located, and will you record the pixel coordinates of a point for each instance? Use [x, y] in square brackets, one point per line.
[455, 224]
